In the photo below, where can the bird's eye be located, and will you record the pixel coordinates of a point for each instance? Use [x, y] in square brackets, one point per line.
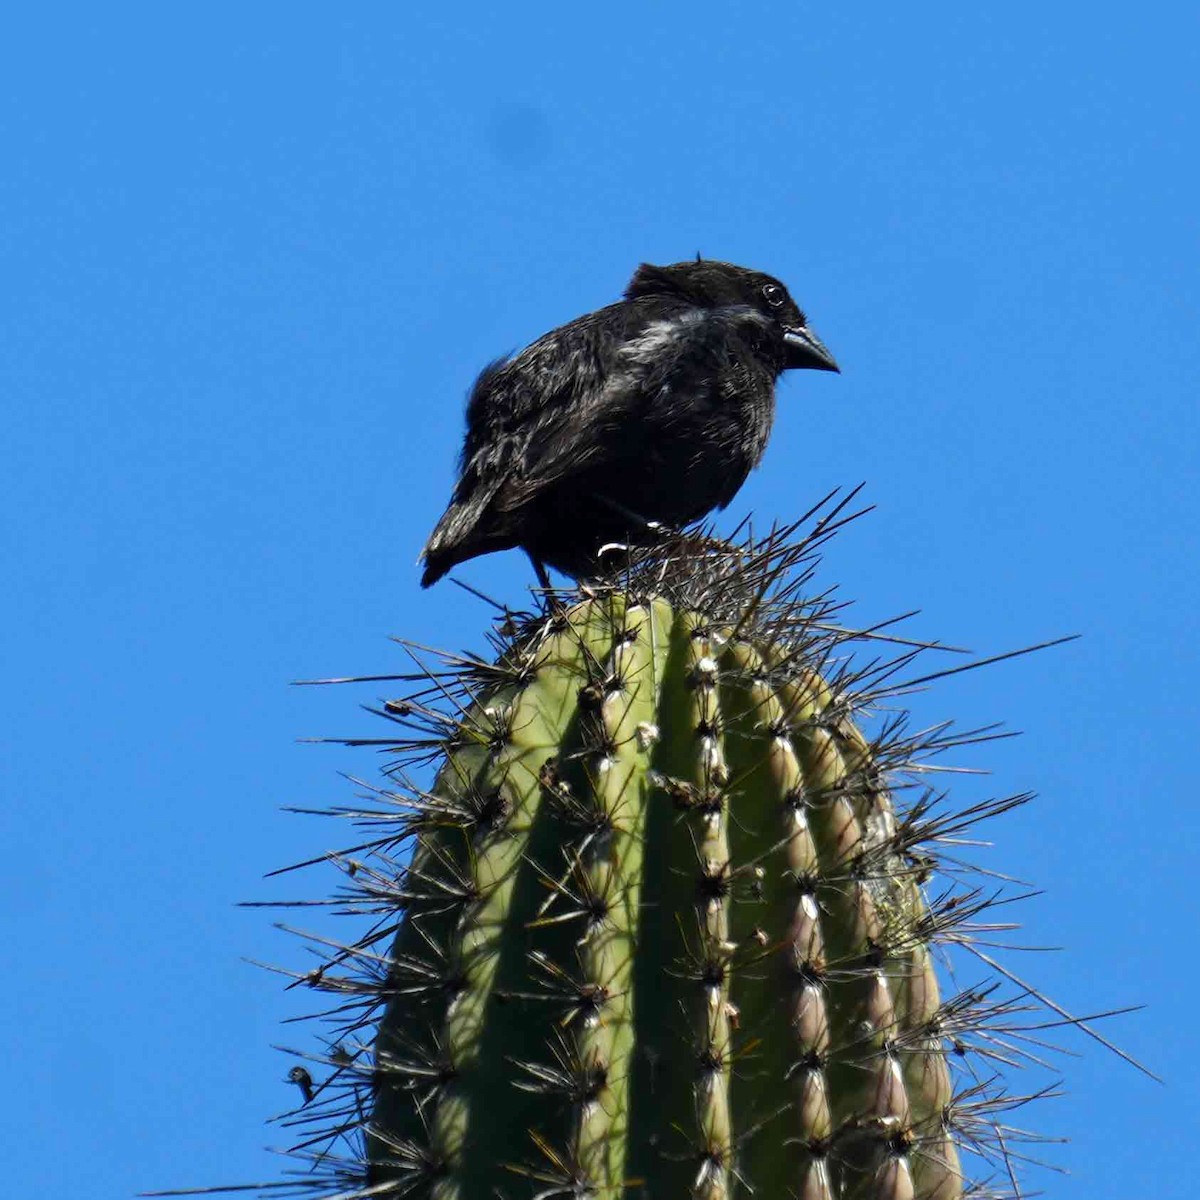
[775, 295]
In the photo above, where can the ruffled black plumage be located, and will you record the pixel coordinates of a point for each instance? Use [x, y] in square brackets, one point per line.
[644, 415]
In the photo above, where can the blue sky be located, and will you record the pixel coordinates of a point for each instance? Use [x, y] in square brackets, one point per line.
[252, 256]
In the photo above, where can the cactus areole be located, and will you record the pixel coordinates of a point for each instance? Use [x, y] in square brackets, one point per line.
[657, 901]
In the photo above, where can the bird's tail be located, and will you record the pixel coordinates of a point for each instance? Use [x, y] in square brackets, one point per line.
[436, 565]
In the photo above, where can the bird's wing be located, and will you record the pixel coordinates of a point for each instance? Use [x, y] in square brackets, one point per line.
[555, 374]
[668, 369]
[555, 383]
[512, 405]
[574, 399]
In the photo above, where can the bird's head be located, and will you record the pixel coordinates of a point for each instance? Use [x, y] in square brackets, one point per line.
[711, 284]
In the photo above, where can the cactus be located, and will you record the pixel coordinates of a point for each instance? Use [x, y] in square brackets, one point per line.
[664, 929]
[665, 922]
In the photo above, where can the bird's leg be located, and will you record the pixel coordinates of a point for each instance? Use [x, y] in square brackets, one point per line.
[539, 569]
[551, 599]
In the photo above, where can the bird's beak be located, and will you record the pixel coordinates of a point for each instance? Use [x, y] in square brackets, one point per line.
[805, 349]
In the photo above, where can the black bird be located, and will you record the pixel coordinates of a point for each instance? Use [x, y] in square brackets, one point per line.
[643, 415]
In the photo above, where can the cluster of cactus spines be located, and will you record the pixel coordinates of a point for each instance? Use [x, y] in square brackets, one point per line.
[665, 922]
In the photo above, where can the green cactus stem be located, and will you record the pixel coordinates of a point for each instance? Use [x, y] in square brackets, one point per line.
[656, 910]
[682, 956]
